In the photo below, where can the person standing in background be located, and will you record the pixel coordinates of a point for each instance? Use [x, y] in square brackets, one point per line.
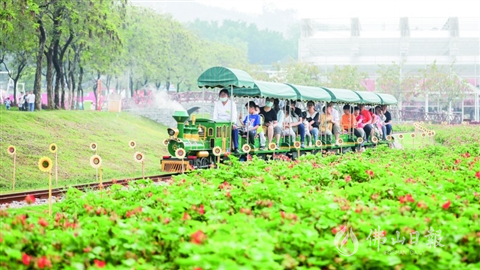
[31, 101]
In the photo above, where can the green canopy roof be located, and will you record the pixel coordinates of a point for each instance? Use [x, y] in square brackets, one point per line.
[311, 93]
[388, 99]
[225, 77]
[343, 95]
[369, 97]
[267, 89]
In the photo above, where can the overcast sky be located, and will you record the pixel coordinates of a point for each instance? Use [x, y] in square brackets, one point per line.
[359, 8]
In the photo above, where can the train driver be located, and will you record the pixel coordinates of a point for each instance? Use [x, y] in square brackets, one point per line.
[226, 110]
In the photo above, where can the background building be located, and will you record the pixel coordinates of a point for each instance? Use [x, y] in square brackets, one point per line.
[370, 42]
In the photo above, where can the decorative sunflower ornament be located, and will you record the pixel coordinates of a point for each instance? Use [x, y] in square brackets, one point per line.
[45, 164]
[374, 139]
[132, 144]
[93, 146]
[413, 135]
[11, 150]
[272, 146]
[180, 153]
[359, 140]
[217, 151]
[297, 144]
[246, 148]
[400, 136]
[389, 138]
[96, 161]
[139, 157]
[340, 141]
[53, 148]
[318, 143]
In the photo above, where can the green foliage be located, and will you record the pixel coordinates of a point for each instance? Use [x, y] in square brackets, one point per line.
[264, 46]
[267, 215]
[394, 80]
[346, 77]
[300, 73]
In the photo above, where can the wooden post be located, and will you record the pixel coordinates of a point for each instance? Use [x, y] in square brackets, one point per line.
[49, 193]
[56, 168]
[13, 179]
[101, 184]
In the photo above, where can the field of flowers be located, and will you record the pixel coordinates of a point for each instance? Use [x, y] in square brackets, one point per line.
[383, 209]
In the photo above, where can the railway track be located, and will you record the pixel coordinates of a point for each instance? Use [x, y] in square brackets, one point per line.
[57, 192]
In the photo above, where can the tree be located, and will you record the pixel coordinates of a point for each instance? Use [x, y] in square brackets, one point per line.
[347, 77]
[393, 80]
[443, 82]
[299, 73]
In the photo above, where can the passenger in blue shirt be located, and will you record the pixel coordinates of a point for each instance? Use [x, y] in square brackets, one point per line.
[251, 122]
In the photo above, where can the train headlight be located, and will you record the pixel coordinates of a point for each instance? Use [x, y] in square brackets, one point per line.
[173, 132]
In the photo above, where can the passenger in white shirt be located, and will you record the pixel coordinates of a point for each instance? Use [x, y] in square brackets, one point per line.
[226, 110]
[31, 101]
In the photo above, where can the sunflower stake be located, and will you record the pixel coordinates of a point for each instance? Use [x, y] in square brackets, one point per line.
[53, 148]
[45, 165]
[96, 162]
[139, 157]
[12, 151]
[180, 153]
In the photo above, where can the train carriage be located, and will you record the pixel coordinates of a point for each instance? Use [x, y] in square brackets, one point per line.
[200, 143]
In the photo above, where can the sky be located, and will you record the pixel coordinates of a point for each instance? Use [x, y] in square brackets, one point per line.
[352, 8]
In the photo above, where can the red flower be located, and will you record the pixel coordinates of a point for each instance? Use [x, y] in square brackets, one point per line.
[201, 210]
[43, 262]
[477, 175]
[409, 198]
[369, 172]
[30, 199]
[348, 178]
[98, 263]
[26, 259]
[186, 216]
[166, 220]
[457, 161]
[198, 237]
[282, 214]
[43, 222]
[446, 205]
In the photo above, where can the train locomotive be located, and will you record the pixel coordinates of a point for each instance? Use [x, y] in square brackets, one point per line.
[198, 143]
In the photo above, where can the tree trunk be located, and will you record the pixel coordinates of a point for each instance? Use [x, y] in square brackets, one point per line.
[61, 65]
[37, 89]
[131, 86]
[51, 103]
[79, 88]
[158, 85]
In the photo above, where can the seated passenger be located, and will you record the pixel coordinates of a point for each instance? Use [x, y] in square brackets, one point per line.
[376, 123]
[388, 119]
[364, 119]
[312, 119]
[270, 120]
[278, 107]
[251, 122]
[327, 125]
[287, 128]
[349, 122]
[381, 124]
[260, 131]
[226, 110]
[297, 121]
